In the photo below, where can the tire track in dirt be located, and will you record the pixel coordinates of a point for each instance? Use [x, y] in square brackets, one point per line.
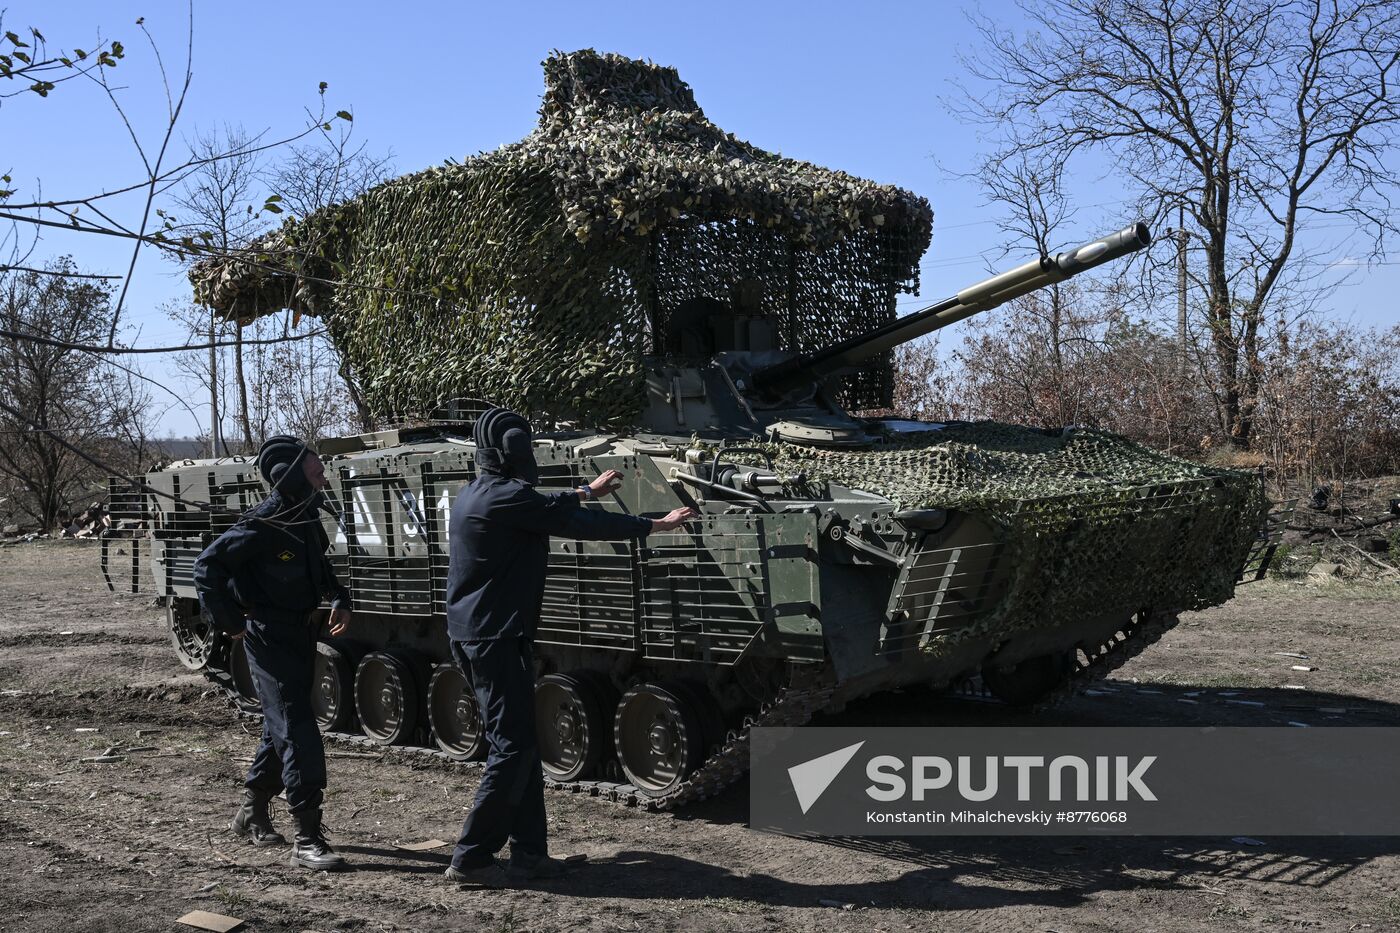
[188, 706]
[76, 639]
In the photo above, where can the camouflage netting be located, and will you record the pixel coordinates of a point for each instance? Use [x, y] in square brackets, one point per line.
[538, 275]
[1092, 524]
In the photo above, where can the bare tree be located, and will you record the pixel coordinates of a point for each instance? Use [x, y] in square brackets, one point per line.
[225, 204]
[61, 381]
[1036, 210]
[125, 208]
[125, 395]
[293, 386]
[1330, 404]
[312, 400]
[1255, 116]
[59, 391]
[204, 370]
[217, 204]
[311, 178]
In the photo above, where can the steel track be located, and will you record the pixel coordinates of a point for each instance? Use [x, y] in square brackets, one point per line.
[1145, 630]
[794, 706]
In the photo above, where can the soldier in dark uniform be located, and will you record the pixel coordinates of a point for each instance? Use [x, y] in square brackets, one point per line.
[260, 581]
[499, 536]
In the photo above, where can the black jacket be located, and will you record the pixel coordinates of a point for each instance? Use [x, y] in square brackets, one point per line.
[271, 564]
[500, 548]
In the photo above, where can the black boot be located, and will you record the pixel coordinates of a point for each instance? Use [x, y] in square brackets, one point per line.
[254, 823]
[311, 850]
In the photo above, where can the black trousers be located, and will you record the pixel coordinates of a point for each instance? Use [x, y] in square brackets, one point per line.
[510, 798]
[282, 657]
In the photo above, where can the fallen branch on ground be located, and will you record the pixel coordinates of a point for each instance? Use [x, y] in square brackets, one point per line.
[1379, 563]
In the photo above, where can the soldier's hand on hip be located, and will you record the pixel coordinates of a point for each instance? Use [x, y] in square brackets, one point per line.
[340, 621]
[610, 481]
[674, 519]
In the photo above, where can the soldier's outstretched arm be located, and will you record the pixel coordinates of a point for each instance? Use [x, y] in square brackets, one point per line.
[596, 525]
[529, 510]
[560, 515]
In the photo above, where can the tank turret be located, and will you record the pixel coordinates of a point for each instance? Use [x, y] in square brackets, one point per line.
[752, 389]
[984, 296]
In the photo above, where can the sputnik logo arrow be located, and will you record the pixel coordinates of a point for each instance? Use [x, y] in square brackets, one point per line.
[811, 778]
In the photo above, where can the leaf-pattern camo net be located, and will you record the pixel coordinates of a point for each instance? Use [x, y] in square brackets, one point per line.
[1092, 524]
[539, 275]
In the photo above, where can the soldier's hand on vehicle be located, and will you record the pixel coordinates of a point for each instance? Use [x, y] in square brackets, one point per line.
[609, 481]
[674, 519]
[340, 621]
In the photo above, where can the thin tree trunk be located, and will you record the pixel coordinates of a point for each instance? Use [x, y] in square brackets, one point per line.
[242, 388]
[213, 388]
[362, 413]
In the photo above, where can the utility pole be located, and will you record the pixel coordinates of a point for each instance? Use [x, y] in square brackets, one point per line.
[213, 388]
[1181, 289]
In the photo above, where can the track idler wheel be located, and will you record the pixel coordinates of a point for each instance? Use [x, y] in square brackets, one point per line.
[571, 725]
[332, 689]
[453, 713]
[386, 698]
[242, 676]
[1029, 681]
[191, 633]
[660, 737]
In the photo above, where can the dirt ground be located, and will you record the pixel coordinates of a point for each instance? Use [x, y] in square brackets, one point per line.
[132, 844]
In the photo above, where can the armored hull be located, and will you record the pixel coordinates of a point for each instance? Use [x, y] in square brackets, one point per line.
[981, 551]
[712, 309]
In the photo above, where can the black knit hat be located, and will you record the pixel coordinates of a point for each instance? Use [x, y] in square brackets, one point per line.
[504, 445]
[279, 461]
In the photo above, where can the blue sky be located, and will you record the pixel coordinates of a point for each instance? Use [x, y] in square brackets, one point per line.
[856, 87]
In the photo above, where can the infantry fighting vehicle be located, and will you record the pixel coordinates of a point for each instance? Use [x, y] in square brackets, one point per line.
[700, 315]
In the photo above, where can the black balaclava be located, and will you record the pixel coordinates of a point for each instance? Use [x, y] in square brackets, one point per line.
[504, 445]
[279, 460]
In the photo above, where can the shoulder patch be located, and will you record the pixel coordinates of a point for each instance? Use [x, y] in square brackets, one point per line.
[286, 555]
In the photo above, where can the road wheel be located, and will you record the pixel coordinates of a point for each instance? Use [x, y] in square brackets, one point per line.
[191, 633]
[453, 713]
[332, 687]
[659, 737]
[386, 697]
[570, 724]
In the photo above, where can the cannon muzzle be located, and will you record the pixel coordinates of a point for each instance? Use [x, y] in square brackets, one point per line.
[999, 289]
[1047, 270]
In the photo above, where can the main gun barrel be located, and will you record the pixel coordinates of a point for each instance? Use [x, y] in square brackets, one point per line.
[999, 289]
